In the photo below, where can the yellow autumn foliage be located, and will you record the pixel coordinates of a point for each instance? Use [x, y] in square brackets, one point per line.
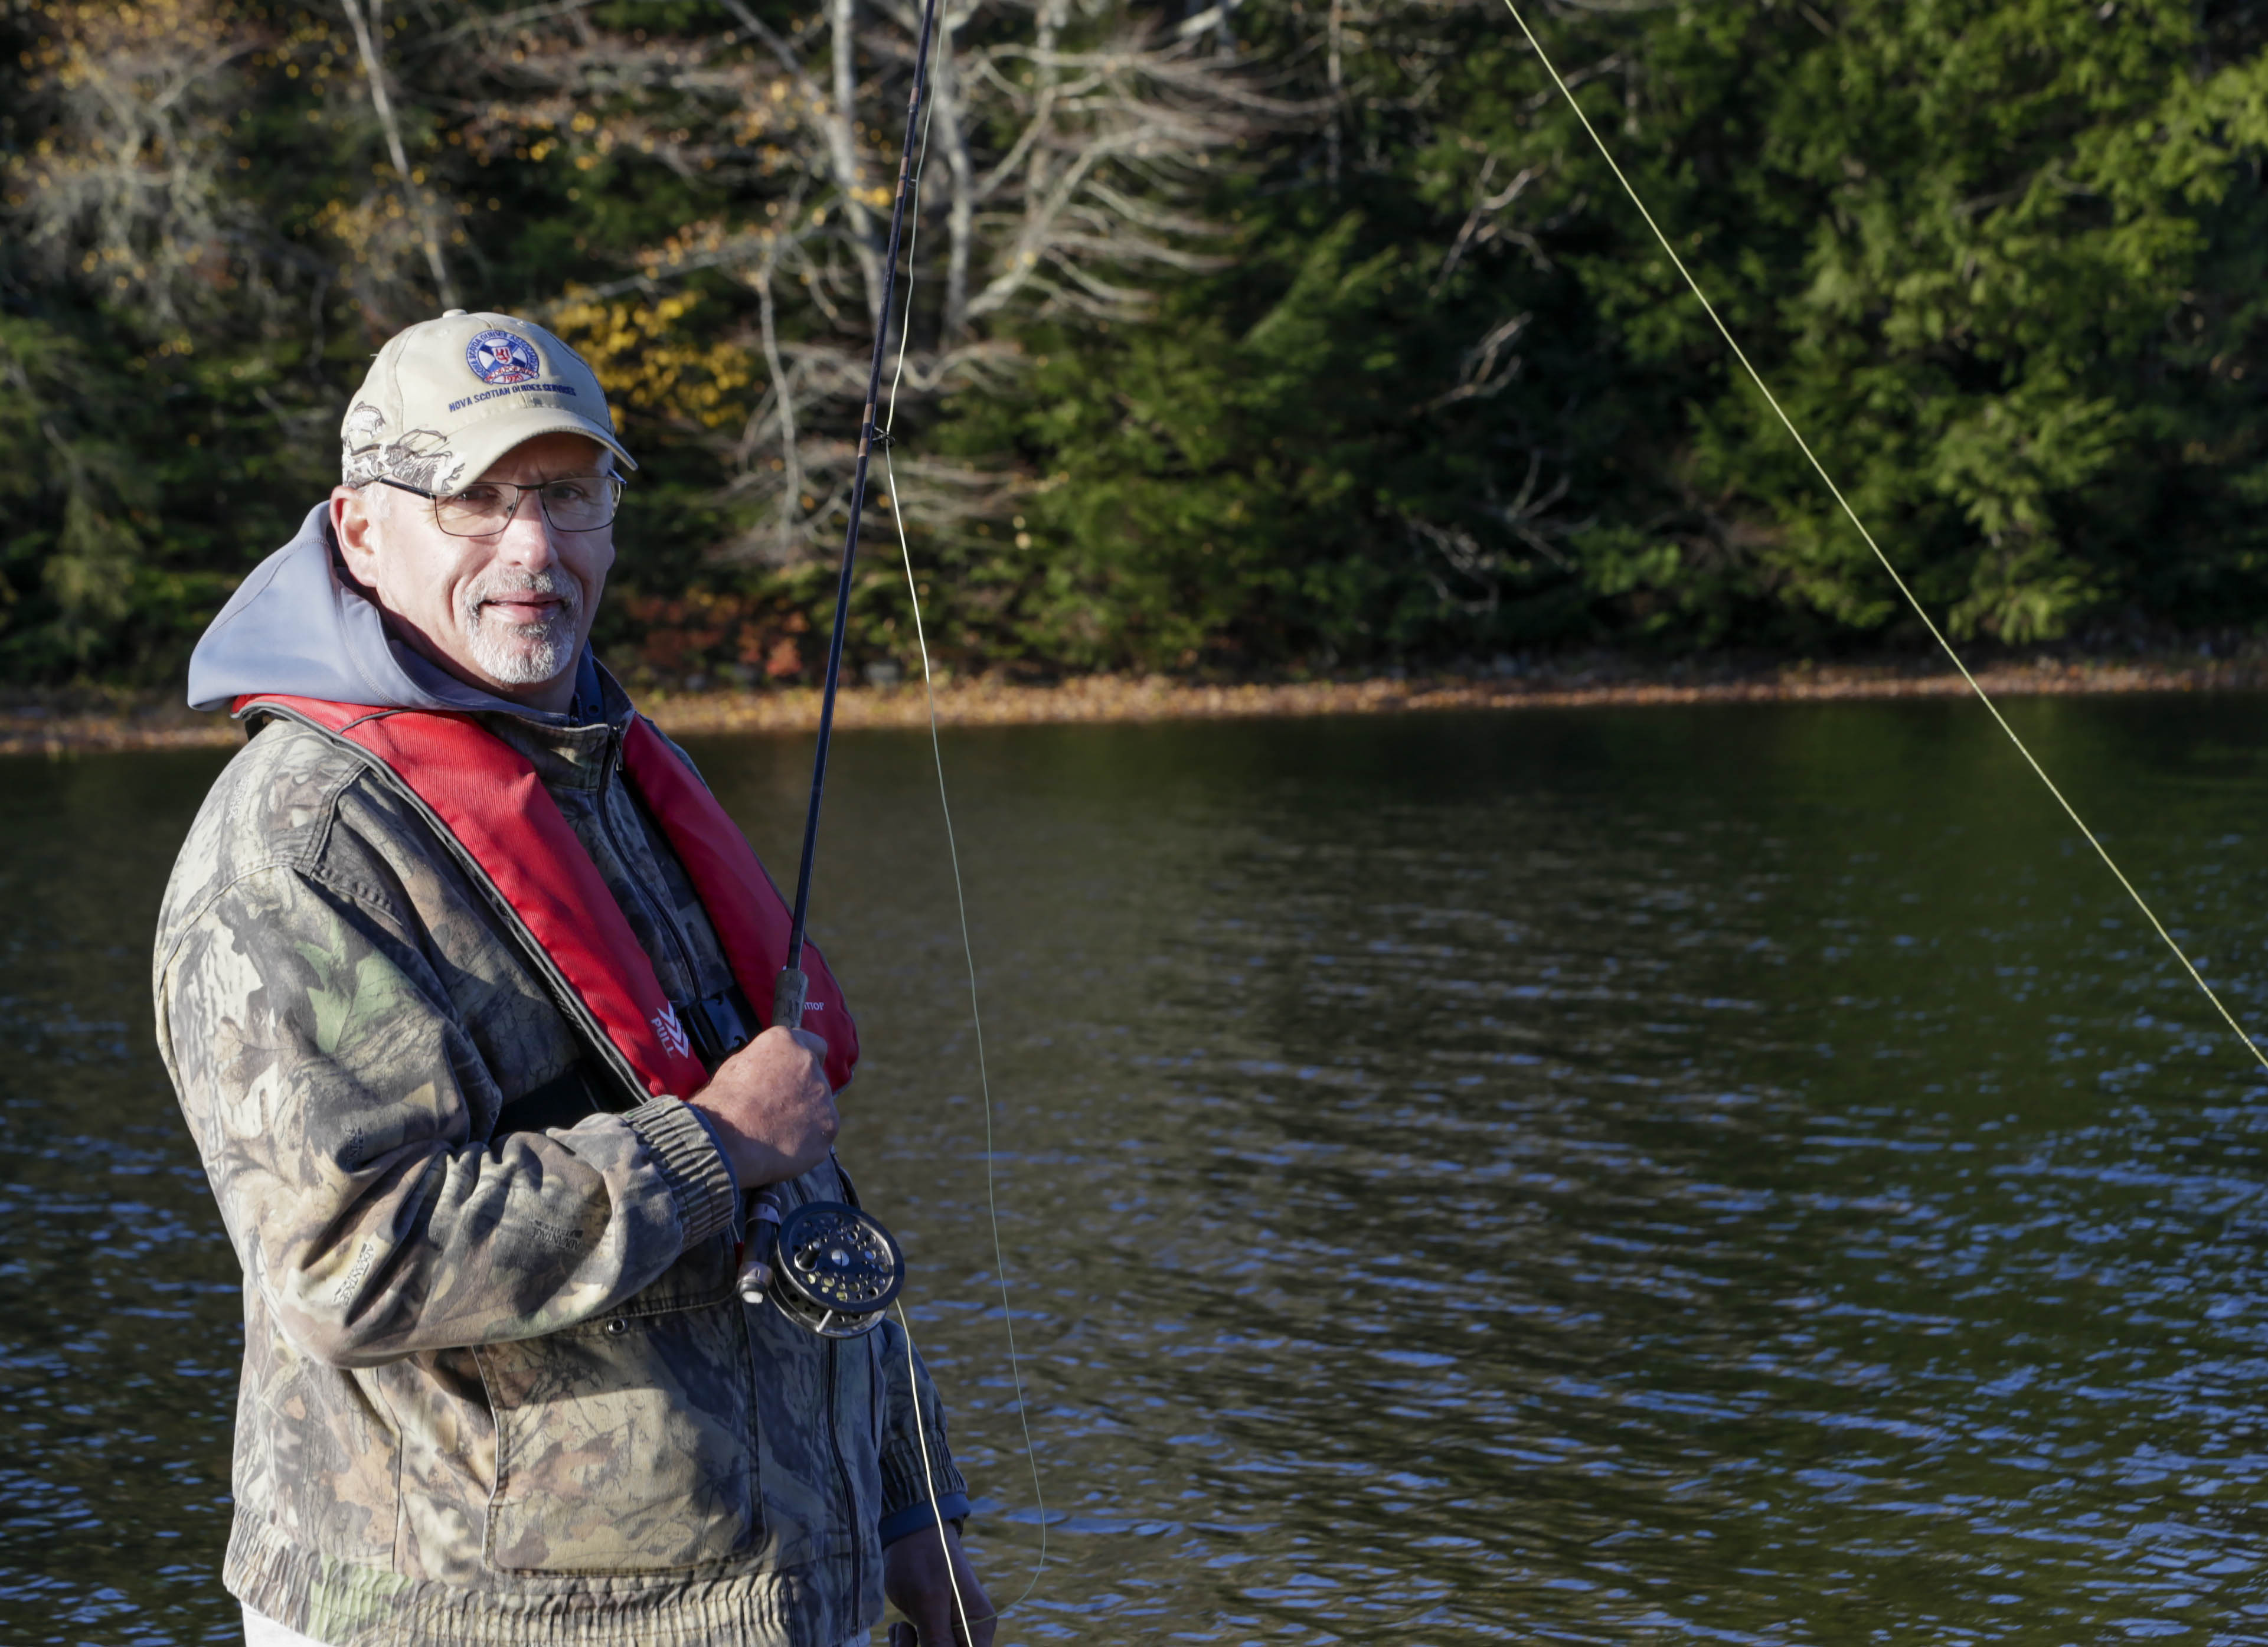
[651, 360]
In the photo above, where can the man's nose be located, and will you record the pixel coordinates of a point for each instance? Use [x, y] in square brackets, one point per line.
[525, 538]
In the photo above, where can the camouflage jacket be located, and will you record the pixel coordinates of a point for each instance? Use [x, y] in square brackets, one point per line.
[497, 1386]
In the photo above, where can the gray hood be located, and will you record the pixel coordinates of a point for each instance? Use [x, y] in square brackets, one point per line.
[296, 627]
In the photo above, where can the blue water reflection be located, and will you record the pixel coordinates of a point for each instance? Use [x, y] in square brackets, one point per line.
[1727, 1175]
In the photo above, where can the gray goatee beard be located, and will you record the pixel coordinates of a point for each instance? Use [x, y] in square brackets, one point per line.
[523, 654]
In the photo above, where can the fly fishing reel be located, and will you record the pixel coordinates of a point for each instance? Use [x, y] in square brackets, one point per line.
[830, 1267]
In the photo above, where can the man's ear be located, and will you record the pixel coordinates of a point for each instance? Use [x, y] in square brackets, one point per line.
[354, 522]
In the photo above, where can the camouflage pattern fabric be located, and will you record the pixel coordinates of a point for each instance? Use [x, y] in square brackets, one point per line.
[497, 1387]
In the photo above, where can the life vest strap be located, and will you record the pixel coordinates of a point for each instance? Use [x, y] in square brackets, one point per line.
[484, 799]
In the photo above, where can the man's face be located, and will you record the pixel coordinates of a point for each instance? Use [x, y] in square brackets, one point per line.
[508, 612]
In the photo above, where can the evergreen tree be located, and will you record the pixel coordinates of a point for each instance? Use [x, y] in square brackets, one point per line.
[1284, 334]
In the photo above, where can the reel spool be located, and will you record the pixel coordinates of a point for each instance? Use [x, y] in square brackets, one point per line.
[834, 1269]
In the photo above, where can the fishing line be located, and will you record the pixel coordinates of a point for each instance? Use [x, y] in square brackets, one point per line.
[759, 1275]
[961, 905]
[929, 1477]
[1836, 491]
[789, 993]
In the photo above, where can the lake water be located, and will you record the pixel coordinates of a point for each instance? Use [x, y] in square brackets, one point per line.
[1722, 1174]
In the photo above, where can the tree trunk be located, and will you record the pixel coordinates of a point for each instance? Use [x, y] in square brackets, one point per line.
[843, 145]
[367, 27]
[961, 211]
[791, 515]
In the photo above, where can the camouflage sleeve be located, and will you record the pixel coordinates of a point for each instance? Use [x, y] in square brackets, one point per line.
[913, 1423]
[333, 1094]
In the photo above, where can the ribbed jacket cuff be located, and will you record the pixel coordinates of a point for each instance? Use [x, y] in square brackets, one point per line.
[905, 1484]
[694, 1169]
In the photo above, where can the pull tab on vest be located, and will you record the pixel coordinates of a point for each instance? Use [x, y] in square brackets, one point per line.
[484, 799]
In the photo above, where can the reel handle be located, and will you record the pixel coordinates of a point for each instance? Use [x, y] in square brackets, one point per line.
[789, 993]
[761, 1240]
[762, 1249]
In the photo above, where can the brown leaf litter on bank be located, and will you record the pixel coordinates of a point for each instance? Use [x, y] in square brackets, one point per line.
[1599, 682]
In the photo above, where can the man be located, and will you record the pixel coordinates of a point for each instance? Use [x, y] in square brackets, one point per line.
[453, 977]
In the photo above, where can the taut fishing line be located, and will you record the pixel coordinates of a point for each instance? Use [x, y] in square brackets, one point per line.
[1827, 480]
[830, 1266]
[961, 905]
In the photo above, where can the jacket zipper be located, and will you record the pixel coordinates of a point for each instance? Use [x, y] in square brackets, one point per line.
[857, 1544]
[843, 1470]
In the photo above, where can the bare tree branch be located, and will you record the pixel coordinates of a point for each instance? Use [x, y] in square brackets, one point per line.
[366, 27]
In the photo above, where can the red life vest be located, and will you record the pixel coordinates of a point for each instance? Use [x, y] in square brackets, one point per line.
[484, 799]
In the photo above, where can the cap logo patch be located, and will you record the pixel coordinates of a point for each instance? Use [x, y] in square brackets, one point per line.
[503, 357]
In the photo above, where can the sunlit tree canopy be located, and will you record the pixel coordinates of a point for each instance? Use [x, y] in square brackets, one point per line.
[1280, 335]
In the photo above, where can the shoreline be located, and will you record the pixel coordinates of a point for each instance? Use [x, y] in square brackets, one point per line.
[1600, 682]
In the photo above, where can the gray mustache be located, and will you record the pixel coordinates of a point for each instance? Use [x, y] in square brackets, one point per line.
[569, 594]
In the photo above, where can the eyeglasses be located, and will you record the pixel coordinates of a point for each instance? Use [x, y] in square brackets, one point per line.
[574, 503]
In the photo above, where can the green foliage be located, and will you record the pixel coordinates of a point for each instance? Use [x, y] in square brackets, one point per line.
[1999, 258]
[1179, 451]
[1434, 392]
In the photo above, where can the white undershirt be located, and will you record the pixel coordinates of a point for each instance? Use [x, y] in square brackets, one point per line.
[262, 1631]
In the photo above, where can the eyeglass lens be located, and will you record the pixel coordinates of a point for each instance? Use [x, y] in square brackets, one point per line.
[580, 502]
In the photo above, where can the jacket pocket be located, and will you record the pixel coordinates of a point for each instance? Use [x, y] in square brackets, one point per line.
[624, 1445]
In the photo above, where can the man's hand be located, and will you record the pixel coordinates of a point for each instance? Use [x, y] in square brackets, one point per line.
[772, 1107]
[914, 1578]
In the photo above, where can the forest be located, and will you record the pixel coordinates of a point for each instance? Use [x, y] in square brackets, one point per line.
[1248, 338]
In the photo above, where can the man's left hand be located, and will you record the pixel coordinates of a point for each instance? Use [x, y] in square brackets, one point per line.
[915, 1578]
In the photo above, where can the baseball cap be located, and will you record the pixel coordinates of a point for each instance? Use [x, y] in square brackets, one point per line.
[446, 399]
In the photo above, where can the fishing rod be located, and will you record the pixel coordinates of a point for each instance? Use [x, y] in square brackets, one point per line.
[789, 993]
[831, 1267]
